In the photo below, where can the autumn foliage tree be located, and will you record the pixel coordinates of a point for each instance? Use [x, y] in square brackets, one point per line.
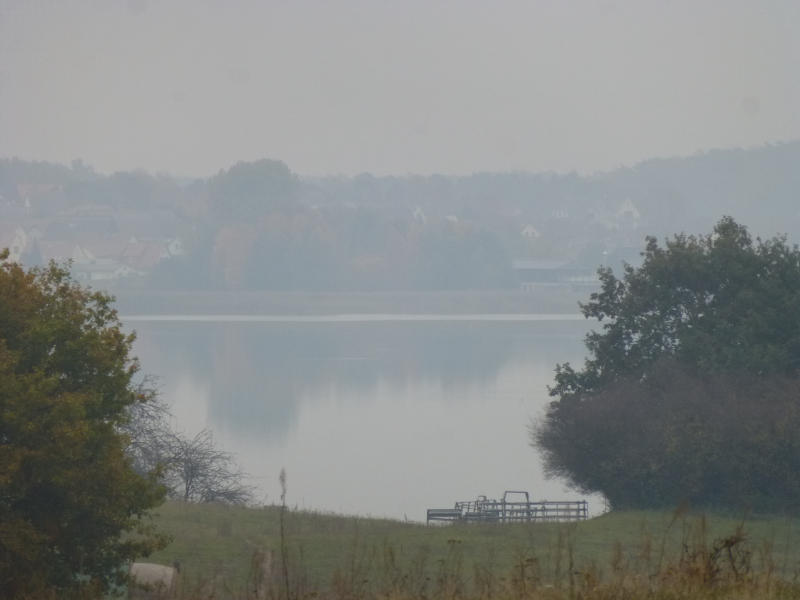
[690, 390]
[68, 492]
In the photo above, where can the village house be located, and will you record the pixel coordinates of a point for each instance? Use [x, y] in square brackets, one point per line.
[15, 239]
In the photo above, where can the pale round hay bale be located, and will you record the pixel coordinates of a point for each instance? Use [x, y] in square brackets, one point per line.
[150, 580]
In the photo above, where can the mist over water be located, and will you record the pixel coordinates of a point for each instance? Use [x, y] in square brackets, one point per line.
[371, 418]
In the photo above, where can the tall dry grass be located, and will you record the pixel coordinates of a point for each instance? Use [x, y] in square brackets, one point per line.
[702, 565]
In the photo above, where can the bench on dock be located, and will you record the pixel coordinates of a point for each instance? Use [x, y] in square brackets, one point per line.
[483, 515]
[443, 514]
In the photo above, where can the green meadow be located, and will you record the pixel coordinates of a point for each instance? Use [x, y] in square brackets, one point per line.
[238, 552]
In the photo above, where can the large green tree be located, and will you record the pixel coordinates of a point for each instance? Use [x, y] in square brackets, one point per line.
[702, 317]
[71, 507]
[249, 190]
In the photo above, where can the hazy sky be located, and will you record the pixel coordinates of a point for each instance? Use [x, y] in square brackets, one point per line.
[348, 86]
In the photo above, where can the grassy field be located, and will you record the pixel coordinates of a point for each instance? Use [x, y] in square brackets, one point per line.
[222, 550]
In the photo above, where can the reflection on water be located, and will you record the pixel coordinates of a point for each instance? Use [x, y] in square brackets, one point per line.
[370, 417]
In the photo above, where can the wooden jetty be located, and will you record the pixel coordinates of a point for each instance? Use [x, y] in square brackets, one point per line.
[514, 507]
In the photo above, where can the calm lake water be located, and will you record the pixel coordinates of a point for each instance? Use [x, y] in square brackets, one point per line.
[381, 415]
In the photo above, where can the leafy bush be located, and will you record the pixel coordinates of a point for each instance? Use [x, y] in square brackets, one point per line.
[67, 489]
[690, 388]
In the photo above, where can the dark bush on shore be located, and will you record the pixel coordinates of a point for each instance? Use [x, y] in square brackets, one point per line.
[690, 390]
[678, 436]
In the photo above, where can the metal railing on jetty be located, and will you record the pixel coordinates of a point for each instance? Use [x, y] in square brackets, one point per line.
[511, 509]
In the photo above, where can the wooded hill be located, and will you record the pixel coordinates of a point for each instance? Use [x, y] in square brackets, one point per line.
[260, 226]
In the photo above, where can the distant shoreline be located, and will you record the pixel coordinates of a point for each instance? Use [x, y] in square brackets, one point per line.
[544, 300]
[355, 318]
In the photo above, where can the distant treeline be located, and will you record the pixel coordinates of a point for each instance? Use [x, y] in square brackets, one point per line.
[259, 226]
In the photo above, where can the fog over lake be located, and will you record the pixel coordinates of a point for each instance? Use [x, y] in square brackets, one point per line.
[382, 417]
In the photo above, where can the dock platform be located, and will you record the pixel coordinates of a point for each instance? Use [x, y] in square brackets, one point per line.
[514, 507]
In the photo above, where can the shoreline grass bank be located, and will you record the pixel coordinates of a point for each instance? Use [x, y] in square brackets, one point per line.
[223, 550]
